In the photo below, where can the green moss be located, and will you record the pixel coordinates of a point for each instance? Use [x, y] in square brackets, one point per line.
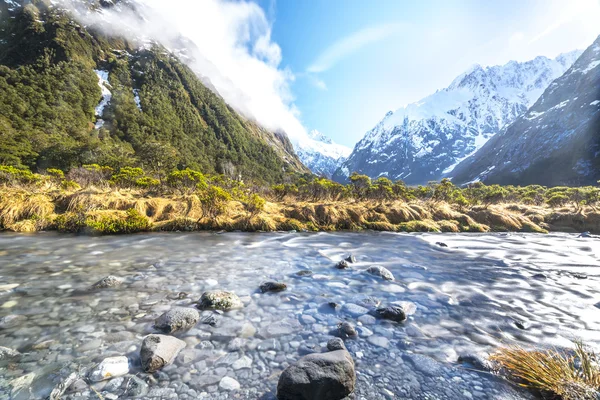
[115, 224]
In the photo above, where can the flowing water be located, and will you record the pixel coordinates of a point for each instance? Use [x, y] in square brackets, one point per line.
[478, 293]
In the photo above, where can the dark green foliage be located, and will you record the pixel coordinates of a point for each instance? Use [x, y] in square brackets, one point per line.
[113, 224]
[12, 176]
[49, 91]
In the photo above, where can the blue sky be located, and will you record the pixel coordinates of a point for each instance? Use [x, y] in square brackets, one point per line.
[353, 60]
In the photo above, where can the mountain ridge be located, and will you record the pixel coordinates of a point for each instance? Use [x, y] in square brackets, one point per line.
[423, 140]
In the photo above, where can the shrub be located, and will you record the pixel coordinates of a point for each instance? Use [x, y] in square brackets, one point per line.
[214, 201]
[11, 175]
[281, 191]
[113, 224]
[146, 182]
[72, 222]
[56, 174]
[127, 177]
[69, 185]
[90, 174]
[254, 204]
[361, 185]
[187, 180]
[557, 200]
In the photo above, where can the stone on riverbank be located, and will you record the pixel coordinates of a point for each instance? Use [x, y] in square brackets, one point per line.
[8, 354]
[159, 350]
[110, 367]
[273, 287]
[107, 282]
[219, 300]
[177, 319]
[378, 270]
[347, 330]
[398, 311]
[342, 265]
[323, 376]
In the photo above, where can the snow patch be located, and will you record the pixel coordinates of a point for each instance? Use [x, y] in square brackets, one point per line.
[136, 98]
[106, 96]
[595, 103]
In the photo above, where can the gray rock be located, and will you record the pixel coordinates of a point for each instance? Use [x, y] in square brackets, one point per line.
[397, 312]
[11, 320]
[8, 354]
[336, 344]
[109, 368]
[159, 350]
[136, 387]
[304, 272]
[479, 361]
[229, 384]
[243, 362]
[378, 270]
[323, 376]
[107, 282]
[219, 300]
[177, 319]
[347, 330]
[273, 287]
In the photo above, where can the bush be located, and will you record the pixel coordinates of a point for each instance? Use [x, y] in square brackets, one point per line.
[254, 204]
[69, 185]
[214, 201]
[71, 222]
[187, 180]
[90, 174]
[11, 175]
[132, 223]
[281, 191]
[127, 177]
[557, 200]
[56, 174]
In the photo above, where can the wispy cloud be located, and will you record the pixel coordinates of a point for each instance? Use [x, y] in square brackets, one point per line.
[229, 42]
[352, 43]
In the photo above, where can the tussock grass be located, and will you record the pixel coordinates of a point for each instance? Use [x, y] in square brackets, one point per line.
[571, 375]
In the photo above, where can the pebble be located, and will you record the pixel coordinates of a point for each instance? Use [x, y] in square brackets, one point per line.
[229, 384]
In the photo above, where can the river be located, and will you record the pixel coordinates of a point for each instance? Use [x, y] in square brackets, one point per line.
[480, 292]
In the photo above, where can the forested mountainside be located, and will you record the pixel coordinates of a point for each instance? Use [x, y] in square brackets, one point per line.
[427, 139]
[557, 142]
[70, 95]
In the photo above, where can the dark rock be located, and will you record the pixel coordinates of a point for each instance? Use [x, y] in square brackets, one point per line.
[219, 300]
[522, 324]
[441, 244]
[336, 344]
[586, 234]
[396, 312]
[177, 319]
[135, 387]
[477, 361]
[342, 265]
[304, 272]
[107, 282]
[273, 287]
[380, 271]
[351, 259]
[539, 276]
[159, 350]
[347, 330]
[322, 376]
[578, 275]
[210, 319]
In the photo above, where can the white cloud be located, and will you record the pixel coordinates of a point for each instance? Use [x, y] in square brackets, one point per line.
[350, 44]
[232, 47]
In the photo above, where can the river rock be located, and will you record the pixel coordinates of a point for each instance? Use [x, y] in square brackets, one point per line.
[351, 259]
[177, 319]
[398, 311]
[336, 344]
[219, 300]
[441, 244]
[107, 282]
[110, 367]
[347, 330]
[342, 265]
[8, 354]
[354, 309]
[273, 287]
[11, 320]
[304, 272]
[380, 271]
[229, 384]
[159, 350]
[323, 376]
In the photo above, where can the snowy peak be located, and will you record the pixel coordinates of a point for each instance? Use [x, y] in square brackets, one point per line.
[424, 140]
[320, 154]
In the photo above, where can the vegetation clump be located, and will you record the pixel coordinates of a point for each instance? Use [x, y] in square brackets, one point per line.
[571, 375]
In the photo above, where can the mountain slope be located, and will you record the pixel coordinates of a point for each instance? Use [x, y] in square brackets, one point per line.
[557, 142]
[320, 154]
[70, 95]
[423, 140]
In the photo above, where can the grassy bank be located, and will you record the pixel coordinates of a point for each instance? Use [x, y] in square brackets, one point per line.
[96, 199]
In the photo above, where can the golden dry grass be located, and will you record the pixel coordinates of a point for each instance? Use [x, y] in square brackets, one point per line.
[24, 211]
[571, 375]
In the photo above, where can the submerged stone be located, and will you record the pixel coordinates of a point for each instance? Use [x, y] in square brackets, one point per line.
[219, 300]
[273, 287]
[110, 367]
[159, 350]
[378, 270]
[107, 282]
[177, 319]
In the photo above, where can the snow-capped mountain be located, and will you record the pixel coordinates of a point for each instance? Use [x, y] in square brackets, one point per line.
[427, 139]
[320, 154]
[557, 142]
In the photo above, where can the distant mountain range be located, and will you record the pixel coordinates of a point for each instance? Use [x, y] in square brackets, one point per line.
[320, 154]
[424, 141]
[556, 142]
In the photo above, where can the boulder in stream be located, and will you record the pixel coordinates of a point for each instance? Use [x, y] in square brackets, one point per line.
[398, 311]
[273, 287]
[177, 319]
[8, 354]
[110, 367]
[219, 300]
[323, 376]
[159, 350]
[382, 272]
[342, 265]
[107, 282]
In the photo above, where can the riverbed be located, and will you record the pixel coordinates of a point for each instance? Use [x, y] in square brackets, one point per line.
[473, 293]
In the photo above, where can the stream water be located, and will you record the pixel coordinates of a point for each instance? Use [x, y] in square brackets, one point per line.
[478, 293]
